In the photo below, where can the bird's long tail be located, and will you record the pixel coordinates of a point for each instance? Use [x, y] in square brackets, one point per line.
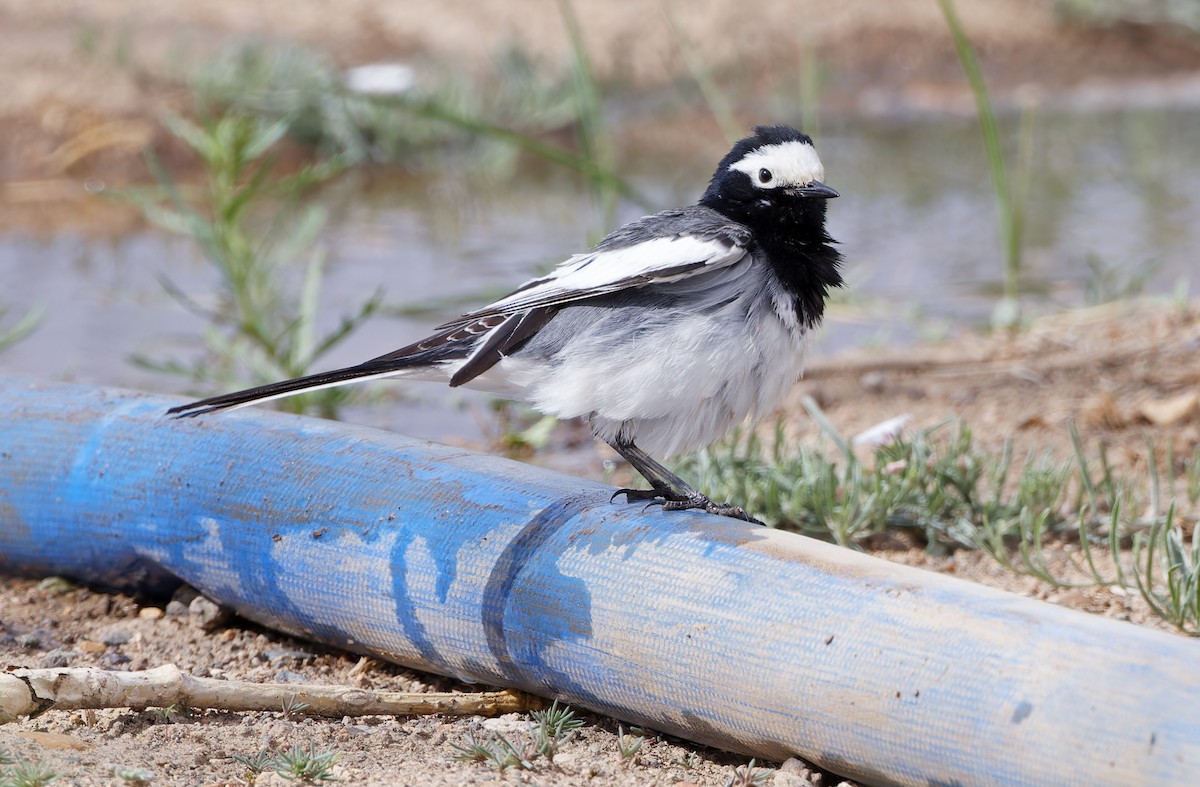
[481, 343]
[371, 370]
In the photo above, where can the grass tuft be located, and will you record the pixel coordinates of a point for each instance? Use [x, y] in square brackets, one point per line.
[628, 745]
[251, 227]
[548, 730]
[750, 776]
[292, 706]
[169, 714]
[306, 764]
[257, 763]
[135, 777]
[553, 727]
[497, 751]
[26, 774]
[1167, 572]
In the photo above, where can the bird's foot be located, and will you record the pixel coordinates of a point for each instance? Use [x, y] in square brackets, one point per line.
[673, 501]
[721, 509]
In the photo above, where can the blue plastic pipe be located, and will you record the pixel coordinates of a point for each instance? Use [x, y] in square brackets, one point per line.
[721, 632]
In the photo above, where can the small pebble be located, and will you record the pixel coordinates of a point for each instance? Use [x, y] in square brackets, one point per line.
[91, 646]
[793, 769]
[29, 641]
[963, 396]
[176, 608]
[185, 594]
[57, 658]
[506, 724]
[57, 586]
[132, 775]
[114, 658]
[116, 637]
[288, 654]
[207, 614]
[873, 381]
[150, 613]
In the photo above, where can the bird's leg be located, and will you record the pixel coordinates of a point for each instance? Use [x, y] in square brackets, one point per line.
[677, 494]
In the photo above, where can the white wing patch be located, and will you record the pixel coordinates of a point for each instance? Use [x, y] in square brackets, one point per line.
[792, 163]
[659, 260]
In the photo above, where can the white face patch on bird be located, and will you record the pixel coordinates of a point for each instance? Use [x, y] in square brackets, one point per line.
[791, 164]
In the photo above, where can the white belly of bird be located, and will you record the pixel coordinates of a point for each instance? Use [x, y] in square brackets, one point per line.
[679, 387]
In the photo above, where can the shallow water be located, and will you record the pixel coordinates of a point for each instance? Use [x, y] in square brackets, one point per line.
[916, 222]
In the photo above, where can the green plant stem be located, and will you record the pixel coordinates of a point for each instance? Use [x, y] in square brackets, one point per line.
[593, 141]
[714, 97]
[252, 227]
[1006, 207]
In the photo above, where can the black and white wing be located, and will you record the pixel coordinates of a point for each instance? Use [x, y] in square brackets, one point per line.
[611, 267]
[614, 267]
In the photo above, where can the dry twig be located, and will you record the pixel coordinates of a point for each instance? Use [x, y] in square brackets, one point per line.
[29, 692]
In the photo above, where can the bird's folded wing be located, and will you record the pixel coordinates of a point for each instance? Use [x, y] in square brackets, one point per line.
[608, 270]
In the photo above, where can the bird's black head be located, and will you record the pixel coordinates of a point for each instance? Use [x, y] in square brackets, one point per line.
[772, 183]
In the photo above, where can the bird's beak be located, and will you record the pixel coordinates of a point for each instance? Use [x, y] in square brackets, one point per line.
[816, 189]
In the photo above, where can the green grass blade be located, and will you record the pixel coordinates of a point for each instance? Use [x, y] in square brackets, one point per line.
[714, 97]
[1005, 205]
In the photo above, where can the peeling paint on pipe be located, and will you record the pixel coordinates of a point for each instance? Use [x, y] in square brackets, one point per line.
[492, 571]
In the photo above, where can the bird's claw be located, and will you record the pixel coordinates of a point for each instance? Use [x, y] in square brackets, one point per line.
[632, 495]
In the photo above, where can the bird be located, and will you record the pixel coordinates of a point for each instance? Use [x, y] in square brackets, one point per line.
[669, 332]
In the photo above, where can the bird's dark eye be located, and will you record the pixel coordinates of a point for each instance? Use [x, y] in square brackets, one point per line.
[764, 175]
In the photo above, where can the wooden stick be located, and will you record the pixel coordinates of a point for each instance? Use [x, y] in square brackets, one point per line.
[30, 692]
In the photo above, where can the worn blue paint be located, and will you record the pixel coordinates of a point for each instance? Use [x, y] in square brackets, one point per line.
[501, 573]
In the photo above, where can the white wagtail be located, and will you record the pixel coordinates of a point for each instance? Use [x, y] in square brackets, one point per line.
[673, 329]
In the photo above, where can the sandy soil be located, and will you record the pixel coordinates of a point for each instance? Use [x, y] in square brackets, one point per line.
[1101, 368]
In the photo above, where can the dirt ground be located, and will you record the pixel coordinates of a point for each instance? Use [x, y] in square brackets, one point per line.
[68, 117]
